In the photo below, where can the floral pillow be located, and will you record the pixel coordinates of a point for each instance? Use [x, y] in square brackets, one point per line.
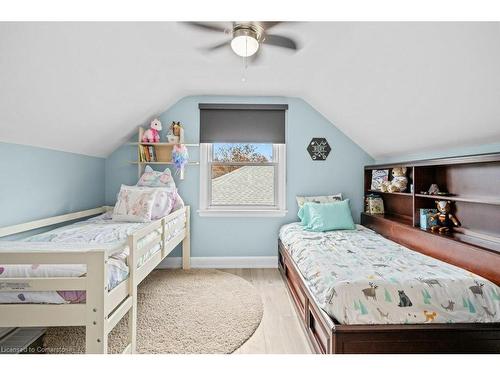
[152, 178]
[319, 199]
[134, 205]
[178, 202]
[164, 202]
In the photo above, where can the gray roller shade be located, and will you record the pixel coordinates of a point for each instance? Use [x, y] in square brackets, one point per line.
[242, 123]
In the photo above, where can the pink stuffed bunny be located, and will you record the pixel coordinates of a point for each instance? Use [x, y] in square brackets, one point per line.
[152, 135]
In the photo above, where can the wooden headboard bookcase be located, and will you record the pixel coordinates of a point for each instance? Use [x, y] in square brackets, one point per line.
[474, 182]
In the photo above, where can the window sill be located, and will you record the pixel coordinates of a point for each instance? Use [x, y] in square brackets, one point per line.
[241, 213]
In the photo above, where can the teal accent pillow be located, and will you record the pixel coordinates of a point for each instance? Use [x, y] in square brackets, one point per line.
[303, 213]
[322, 217]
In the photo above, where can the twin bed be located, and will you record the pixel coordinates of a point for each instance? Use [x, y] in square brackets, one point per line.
[85, 273]
[355, 290]
[358, 292]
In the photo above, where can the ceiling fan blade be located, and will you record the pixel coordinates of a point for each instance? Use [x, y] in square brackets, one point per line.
[266, 25]
[219, 45]
[254, 59]
[280, 41]
[212, 26]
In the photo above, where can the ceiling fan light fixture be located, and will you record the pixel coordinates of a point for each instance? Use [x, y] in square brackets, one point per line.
[245, 42]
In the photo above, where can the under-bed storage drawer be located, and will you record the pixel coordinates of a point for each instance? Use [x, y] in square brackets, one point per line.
[281, 261]
[317, 332]
[296, 290]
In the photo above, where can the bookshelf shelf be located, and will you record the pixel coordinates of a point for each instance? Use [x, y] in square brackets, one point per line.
[162, 162]
[386, 192]
[473, 183]
[469, 239]
[402, 219]
[156, 153]
[162, 144]
[456, 198]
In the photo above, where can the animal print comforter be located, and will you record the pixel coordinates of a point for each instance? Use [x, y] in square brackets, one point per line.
[359, 277]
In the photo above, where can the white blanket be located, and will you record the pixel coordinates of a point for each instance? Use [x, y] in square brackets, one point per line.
[99, 232]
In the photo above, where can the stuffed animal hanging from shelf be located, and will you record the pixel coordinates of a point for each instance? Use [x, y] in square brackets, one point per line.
[180, 158]
[445, 219]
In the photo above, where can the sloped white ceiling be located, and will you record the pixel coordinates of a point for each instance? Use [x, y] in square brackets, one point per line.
[392, 87]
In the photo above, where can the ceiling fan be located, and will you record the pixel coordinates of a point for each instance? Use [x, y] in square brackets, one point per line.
[247, 38]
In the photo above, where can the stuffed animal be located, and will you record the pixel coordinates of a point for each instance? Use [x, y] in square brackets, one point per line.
[175, 128]
[398, 183]
[152, 135]
[180, 158]
[445, 219]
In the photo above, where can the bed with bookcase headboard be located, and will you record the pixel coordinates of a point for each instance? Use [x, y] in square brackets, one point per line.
[475, 247]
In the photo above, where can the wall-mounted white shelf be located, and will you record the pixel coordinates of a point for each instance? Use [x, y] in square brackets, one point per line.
[161, 150]
[162, 162]
[166, 144]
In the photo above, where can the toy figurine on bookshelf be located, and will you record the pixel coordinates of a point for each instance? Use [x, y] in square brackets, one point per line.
[398, 183]
[445, 219]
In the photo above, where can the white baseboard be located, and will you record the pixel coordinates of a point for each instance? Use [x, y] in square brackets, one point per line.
[223, 262]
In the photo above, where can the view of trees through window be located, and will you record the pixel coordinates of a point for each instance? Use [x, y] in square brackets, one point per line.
[249, 184]
[239, 152]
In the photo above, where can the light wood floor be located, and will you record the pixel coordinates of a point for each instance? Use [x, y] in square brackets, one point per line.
[280, 331]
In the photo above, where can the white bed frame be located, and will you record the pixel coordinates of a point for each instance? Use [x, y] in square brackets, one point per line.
[103, 309]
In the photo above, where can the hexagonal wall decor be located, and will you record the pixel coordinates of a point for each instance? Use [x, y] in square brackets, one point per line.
[319, 148]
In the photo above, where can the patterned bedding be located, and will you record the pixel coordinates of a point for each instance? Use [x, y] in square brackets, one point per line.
[360, 277]
[99, 232]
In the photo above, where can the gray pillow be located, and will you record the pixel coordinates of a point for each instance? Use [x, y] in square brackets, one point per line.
[319, 199]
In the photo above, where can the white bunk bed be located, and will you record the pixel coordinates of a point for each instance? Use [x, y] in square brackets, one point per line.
[103, 308]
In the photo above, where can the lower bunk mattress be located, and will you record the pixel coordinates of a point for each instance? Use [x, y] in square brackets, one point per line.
[99, 231]
[359, 277]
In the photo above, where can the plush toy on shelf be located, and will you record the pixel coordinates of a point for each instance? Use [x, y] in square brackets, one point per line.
[176, 132]
[398, 183]
[445, 219]
[152, 135]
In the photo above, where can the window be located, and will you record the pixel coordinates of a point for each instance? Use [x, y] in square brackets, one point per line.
[242, 179]
[242, 160]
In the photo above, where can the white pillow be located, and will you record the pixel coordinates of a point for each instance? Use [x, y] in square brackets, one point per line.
[134, 205]
[165, 200]
[319, 199]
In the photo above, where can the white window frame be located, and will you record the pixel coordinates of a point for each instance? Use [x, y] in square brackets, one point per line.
[277, 210]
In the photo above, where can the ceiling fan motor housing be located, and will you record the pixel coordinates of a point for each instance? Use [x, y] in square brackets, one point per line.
[246, 39]
[252, 30]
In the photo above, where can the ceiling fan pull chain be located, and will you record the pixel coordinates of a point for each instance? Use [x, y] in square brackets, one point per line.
[245, 66]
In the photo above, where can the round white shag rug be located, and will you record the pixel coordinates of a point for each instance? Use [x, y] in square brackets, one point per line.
[182, 312]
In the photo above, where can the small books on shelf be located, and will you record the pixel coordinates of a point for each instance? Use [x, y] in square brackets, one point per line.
[147, 153]
[374, 204]
[425, 218]
[378, 177]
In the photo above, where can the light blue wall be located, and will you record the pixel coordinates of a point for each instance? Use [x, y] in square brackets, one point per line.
[456, 151]
[341, 172]
[36, 183]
